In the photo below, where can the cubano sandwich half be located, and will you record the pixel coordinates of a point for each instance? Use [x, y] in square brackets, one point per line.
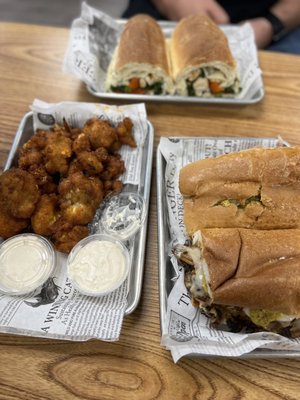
[140, 62]
[245, 279]
[202, 62]
[257, 188]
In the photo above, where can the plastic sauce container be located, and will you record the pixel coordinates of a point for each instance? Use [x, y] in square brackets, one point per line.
[26, 262]
[123, 215]
[98, 265]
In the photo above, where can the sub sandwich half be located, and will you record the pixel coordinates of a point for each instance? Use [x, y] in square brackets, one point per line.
[245, 279]
[257, 188]
[202, 62]
[140, 63]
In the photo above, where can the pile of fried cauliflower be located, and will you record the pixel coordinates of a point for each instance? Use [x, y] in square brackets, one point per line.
[61, 178]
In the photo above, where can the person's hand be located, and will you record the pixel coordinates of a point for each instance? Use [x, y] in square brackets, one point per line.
[177, 9]
[262, 30]
[288, 11]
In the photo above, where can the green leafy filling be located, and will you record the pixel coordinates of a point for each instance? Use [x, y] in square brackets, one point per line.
[190, 88]
[239, 204]
[121, 89]
[229, 89]
[253, 199]
[156, 87]
[228, 202]
[190, 84]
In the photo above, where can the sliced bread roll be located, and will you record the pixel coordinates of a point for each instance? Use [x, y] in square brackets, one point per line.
[257, 188]
[140, 62]
[245, 275]
[202, 62]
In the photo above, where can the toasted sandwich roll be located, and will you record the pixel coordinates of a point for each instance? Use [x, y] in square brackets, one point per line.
[140, 62]
[252, 273]
[257, 188]
[202, 62]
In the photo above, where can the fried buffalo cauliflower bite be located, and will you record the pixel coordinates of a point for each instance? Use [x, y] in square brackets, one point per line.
[112, 187]
[81, 143]
[45, 215]
[90, 163]
[19, 192]
[79, 198]
[31, 152]
[62, 177]
[10, 225]
[114, 167]
[124, 132]
[66, 236]
[57, 153]
[102, 154]
[44, 180]
[100, 133]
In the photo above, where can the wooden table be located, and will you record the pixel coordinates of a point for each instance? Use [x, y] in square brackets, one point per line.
[137, 367]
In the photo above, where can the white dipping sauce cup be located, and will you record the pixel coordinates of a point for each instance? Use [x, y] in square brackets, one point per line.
[98, 265]
[26, 262]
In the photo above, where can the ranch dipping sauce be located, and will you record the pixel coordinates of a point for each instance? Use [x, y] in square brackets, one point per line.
[98, 265]
[26, 262]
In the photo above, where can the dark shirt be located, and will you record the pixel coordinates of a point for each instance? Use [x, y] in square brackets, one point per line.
[238, 10]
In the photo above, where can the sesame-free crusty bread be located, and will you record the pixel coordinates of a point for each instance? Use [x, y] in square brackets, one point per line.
[257, 269]
[197, 42]
[257, 188]
[191, 43]
[141, 51]
[142, 41]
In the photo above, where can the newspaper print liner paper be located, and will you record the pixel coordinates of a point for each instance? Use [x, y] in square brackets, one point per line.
[186, 330]
[57, 310]
[94, 36]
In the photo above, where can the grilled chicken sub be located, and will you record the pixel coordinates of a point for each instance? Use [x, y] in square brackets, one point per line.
[257, 188]
[202, 62]
[245, 279]
[140, 62]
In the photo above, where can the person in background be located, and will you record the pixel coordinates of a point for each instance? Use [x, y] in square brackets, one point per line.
[276, 23]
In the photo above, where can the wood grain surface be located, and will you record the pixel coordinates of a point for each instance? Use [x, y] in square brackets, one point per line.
[137, 367]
